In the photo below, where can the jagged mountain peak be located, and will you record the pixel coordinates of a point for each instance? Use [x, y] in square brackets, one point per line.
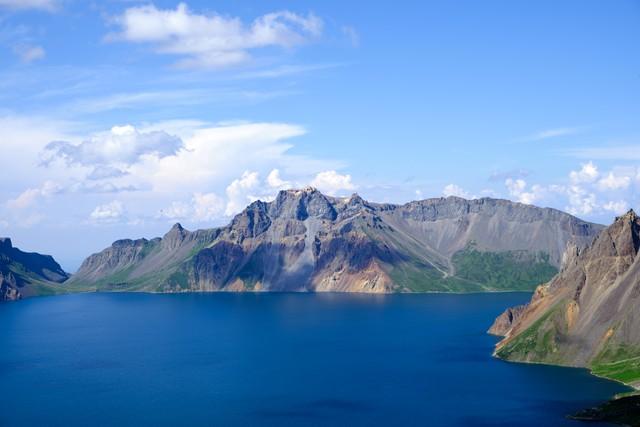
[5, 243]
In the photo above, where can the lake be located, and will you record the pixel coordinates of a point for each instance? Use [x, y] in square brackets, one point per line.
[274, 360]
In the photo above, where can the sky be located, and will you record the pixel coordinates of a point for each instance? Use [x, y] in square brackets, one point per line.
[119, 118]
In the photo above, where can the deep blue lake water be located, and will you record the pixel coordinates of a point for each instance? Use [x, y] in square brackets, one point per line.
[274, 360]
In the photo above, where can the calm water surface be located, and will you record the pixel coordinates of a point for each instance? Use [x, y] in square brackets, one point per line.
[274, 360]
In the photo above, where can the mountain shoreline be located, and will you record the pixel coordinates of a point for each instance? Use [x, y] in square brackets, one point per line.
[306, 241]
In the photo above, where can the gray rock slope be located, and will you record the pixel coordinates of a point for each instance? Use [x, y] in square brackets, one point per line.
[587, 315]
[307, 241]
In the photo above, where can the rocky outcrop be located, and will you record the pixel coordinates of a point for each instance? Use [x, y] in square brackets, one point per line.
[25, 274]
[304, 240]
[587, 315]
[503, 323]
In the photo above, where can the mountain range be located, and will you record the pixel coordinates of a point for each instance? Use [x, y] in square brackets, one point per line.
[304, 240]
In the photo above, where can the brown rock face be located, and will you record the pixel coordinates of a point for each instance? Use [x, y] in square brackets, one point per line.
[306, 241]
[588, 314]
[503, 323]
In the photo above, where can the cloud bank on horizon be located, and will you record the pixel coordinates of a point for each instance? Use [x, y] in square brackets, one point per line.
[144, 113]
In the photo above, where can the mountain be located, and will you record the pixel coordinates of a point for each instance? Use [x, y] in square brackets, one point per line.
[24, 274]
[587, 315]
[304, 240]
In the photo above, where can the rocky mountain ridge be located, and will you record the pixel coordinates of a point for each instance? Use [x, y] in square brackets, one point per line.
[304, 240]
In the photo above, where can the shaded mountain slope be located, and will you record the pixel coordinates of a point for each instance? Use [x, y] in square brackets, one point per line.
[24, 274]
[306, 241]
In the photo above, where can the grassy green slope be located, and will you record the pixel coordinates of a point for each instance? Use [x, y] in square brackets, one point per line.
[477, 271]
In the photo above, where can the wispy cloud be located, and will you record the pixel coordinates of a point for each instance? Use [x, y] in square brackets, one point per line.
[553, 133]
[285, 70]
[172, 98]
[48, 5]
[29, 53]
[614, 152]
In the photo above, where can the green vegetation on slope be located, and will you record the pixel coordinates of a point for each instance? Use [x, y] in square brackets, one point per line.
[510, 270]
[477, 271]
[618, 362]
[536, 343]
[418, 277]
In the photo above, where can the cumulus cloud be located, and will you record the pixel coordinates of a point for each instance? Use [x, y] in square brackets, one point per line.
[455, 190]
[614, 182]
[617, 207]
[581, 201]
[332, 182]
[109, 212]
[202, 207]
[275, 181]
[518, 190]
[241, 192]
[212, 40]
[122, 144]
[587, 174]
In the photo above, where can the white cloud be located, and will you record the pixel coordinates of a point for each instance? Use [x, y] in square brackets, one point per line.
[241, 192]
[456, 190]
[332, 182]
[212, 41]
[618, 207]
[614, 182]
[587, 174]
[275, 181]
[120, 145]
[177, 211]
[28, 54]
[30, 197]
[25, 199]
[612, 152]
[203, 207]
[581, 201]
[109, 212]
[151, 177]
[352, 35]
[518, 190]
[29, 4]
[207, 206]
[553, 133]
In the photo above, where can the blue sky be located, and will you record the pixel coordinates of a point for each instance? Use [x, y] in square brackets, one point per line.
[119, 118]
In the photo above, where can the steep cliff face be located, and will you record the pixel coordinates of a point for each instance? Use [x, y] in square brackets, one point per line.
[307, 241]
[588, 314]
[25, 274]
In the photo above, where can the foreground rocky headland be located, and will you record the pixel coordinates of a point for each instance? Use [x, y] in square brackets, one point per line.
[586, 316]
